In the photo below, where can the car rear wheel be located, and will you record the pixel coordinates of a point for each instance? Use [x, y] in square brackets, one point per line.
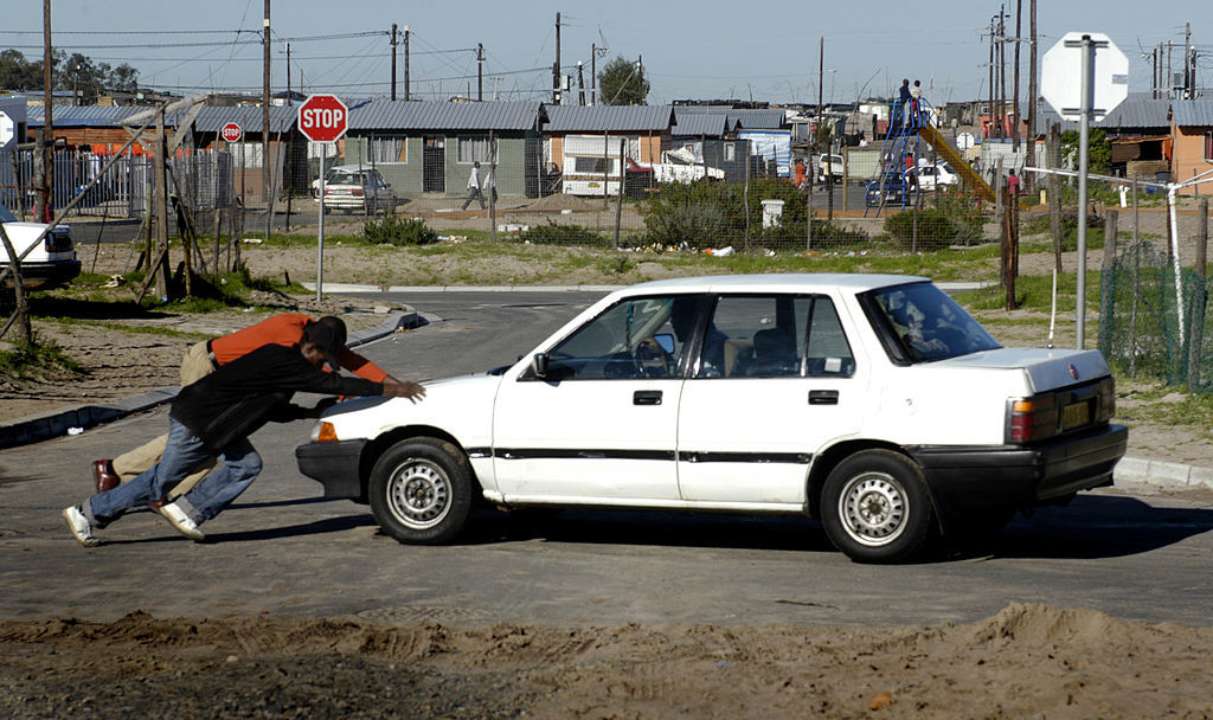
[876, 508]
[421, 491]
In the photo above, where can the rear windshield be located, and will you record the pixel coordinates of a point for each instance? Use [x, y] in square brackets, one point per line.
[6, 216]
[926, 324]
[345, 178]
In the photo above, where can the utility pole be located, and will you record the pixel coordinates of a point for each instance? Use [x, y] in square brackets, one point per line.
[1002, 70]
[265, 122]
[46, 150]
[580, 84]
[821, 65]
[593, 73]
[480, 73]
[1015, 129]
[993, 114]
[1154, 79]
[394, 36]
[556, 66]
[1033, 92]
[1170, 80]
[1187, 60]
[289, 101]
[407, 32]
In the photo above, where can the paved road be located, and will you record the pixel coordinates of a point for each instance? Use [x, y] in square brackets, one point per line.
[284, 550]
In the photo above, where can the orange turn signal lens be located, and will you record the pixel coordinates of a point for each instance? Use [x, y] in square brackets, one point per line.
[326, 433]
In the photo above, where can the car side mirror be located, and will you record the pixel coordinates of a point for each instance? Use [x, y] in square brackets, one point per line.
[666, 341]
[539, 365]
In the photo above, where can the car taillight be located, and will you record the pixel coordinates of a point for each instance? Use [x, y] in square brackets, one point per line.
[324, 432]
[1107, 400]
[1031, 419]
[356, 192]
[57, 241]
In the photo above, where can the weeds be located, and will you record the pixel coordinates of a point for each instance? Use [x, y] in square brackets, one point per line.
[36, 358]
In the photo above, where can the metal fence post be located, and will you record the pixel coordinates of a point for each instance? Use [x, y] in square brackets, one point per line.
[1200, 296]
[1107, 306]
[623, 143]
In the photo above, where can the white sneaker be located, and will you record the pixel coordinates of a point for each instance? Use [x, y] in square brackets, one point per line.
[80, 527]
[182, 522]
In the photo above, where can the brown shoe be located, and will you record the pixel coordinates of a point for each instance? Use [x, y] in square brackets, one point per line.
[104, 476]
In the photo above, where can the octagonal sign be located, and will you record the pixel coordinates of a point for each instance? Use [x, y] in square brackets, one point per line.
[231, 133]
[8, 128]
[1061, 76]
[323, 118]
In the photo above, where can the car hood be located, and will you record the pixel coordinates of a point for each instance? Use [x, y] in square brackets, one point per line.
[1046, 368]
[457, 403]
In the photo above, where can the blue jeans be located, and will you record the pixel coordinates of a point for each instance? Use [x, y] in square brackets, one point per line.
[239, 465]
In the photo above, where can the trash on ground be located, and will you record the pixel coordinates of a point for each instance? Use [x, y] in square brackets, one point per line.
[720, 252]
[252, 241]
[75, 430]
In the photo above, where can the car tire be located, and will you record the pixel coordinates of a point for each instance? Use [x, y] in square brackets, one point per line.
[421, 491]
[876, 507]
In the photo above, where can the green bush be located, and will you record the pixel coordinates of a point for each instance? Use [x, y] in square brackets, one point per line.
[1069, 230]
[953, 221]
[393, 230]
[552, 234]
[708, 213]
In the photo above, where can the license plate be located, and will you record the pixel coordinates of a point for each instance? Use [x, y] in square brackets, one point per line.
[1073, 416]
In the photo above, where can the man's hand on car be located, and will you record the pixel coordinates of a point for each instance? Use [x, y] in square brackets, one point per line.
[406, 389]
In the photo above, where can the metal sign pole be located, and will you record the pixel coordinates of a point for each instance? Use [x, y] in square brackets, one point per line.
[320, 230]
[1088, 63]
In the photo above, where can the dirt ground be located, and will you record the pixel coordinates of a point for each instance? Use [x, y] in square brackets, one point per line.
[1027, 661]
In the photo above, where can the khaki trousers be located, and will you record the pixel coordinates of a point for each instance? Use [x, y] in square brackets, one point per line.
[195, 365]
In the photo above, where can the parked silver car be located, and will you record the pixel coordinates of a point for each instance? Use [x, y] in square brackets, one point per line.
[351, 189]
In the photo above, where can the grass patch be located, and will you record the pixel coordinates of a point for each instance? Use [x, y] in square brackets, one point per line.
[1034, 292]
[132, 329]
[35, 359]
[1161, 406]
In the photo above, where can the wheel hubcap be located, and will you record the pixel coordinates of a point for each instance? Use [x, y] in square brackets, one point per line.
[873, 508]
[419, 494]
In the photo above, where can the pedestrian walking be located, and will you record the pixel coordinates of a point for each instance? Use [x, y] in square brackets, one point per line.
[214, 417]
[204, 358]
[474, 189]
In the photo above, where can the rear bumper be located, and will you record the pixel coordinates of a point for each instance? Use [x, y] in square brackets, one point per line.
[335, 465]
[977, 477]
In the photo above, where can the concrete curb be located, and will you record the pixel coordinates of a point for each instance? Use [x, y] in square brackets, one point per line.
[46, 426]
[358, 289]
[1160, 473]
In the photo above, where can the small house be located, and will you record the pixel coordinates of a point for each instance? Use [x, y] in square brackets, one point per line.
[430, 147]
[1192, 138]
[710, 139]
[582, 143]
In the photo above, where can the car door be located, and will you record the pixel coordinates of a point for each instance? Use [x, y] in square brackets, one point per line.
[599, 424]
[775, 381]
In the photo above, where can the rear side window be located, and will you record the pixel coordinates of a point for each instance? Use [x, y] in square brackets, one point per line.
[770, 336]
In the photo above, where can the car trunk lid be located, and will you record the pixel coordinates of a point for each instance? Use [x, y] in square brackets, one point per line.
[1046, 369]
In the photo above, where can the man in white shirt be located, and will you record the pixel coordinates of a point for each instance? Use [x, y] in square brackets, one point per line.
[474, 192]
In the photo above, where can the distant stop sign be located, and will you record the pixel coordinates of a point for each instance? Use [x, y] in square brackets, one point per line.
[323, 118]
[231, 133]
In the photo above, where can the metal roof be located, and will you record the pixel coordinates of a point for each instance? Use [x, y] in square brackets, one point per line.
[94, 116]
[609, 118]
[212, 119]
[1194, 112]
[1144, 113]
[750, 118]
[401, 115]
[702, 124]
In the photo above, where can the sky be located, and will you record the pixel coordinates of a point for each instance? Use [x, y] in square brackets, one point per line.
[701, 49]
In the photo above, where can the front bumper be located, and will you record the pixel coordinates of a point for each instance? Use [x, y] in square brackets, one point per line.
[335, 465]
[45, 274]
[981, 477]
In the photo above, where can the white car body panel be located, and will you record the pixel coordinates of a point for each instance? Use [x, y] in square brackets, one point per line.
[961, 401]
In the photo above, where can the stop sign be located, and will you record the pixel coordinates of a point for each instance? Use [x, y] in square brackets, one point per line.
[231, 133]
[323, 118]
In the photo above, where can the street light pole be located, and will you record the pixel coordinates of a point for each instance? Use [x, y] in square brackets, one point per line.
[1084, 121]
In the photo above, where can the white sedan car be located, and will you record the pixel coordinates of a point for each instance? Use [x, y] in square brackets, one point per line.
[53, 262]
[873, 403]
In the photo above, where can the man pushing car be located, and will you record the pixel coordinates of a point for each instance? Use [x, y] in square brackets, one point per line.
[214, 417]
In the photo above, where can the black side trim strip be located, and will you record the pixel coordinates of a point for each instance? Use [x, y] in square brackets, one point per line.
[614, 454]
[580, 454]
[746, 457]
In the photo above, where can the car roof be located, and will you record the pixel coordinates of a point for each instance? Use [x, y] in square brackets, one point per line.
[351, 168]
[774, 282]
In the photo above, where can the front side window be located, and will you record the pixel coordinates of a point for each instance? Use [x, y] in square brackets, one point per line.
[767, 336]
[926, 324]
[635, 339]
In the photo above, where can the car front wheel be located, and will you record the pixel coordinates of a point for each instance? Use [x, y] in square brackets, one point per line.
[421, 491]
[876, 508]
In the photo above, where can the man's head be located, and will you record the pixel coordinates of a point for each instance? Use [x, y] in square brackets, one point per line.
[917, 83]
[905, 82]
[322, 340]
[476, 164]
[682, 316]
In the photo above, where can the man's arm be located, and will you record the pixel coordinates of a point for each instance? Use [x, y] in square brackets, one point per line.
[360, 366]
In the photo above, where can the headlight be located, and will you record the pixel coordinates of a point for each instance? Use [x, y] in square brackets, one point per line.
[324, 432]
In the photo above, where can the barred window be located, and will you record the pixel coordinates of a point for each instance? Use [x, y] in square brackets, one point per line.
[730, 152]
[389, 150]
[1209, 146]
[246, 154]
[474, 150]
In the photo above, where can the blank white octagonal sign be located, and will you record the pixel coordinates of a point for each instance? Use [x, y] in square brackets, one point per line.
[1061, 76]
[7, 130]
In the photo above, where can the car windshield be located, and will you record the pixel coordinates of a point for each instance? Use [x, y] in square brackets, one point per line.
[6, 215]
[928, 324]
[345, 178]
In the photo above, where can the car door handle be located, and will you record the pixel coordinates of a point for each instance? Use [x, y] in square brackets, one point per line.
[646, 397]
[823, 397]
